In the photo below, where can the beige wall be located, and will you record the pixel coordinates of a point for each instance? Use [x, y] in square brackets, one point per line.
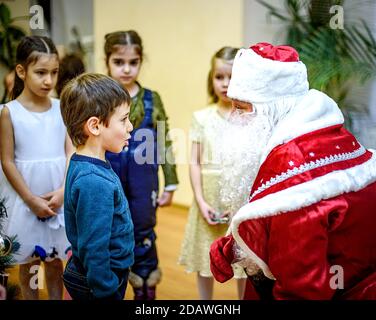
[259, 26]
[179, 39]
[19, 8]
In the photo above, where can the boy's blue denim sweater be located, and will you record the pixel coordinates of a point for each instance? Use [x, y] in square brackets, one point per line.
[98, 222]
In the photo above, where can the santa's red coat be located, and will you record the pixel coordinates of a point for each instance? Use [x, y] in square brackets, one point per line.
[311, 220]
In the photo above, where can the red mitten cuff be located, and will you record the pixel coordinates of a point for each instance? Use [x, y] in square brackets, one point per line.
[221, 257]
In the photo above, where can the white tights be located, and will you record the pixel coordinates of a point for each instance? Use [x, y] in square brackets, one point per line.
[205, 287]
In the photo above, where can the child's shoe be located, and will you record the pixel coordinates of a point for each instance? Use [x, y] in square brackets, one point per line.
[139, 294]
[150, 293]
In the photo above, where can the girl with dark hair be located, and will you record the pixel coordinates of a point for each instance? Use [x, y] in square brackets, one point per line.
[34, 147]
[124, 56]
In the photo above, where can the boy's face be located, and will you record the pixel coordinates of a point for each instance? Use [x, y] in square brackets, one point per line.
[116, 135]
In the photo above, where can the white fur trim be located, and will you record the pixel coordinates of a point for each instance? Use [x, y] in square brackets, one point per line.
[248, 260]
[258, 80]
[300, 196]
[309, 166]
[314, 111]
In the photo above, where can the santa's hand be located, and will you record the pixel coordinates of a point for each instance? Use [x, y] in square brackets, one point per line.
[221, 257]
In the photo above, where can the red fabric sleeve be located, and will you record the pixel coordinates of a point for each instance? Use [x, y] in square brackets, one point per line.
[221, 257]
[298, 250]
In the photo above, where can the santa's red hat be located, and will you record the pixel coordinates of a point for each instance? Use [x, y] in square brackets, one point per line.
[265, 73]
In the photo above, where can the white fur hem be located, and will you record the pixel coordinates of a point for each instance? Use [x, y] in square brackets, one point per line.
[257, 79]
[313, 112]
[300, 196]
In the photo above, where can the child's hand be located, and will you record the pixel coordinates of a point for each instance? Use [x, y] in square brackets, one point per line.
[227, 214]
[165, 199]
[40, 207]
[55, 199]
[207, 212]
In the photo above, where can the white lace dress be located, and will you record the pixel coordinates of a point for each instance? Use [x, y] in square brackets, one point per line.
[207, 128]
[40, 158]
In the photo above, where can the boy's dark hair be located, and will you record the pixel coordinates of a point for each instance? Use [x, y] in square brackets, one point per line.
[29, 51]
[89, 95]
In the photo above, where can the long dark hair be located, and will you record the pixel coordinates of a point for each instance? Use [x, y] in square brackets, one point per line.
[122, 38]
[29, 51]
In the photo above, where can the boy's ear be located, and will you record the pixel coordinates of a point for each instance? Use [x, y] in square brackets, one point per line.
[92, 126]
[21, 72]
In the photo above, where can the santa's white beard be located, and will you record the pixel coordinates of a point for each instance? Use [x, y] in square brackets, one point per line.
[275, 111]
[243, 142]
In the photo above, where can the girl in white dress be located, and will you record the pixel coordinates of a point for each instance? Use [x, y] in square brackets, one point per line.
[34, 148]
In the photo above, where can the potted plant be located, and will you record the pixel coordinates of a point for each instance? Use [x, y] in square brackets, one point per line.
[336, 58]
[10, 35]
[8, 247]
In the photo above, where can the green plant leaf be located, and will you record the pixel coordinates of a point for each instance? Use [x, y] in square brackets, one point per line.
[20, 18]
[335, 59]
[15, 32]
[10, 36]
[4, 15]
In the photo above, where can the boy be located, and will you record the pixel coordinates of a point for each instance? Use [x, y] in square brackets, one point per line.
[95, 110]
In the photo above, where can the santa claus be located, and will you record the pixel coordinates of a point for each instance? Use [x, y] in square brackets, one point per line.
[308, 231]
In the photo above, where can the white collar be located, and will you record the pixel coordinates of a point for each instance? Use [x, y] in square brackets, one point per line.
[315, 111]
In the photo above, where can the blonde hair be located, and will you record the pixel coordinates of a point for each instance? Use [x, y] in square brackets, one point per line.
[225, 53]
